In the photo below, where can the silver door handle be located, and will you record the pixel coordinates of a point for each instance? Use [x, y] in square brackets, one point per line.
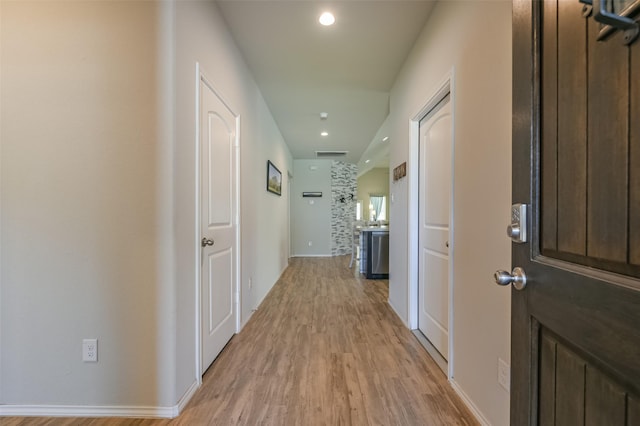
[517, 278]
[207, 242]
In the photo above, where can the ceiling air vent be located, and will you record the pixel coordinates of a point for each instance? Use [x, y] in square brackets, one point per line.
[325, 154]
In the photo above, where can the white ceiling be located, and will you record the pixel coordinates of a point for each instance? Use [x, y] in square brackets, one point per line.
[346, 70]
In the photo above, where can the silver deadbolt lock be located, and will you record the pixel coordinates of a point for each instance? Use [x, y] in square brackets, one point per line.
[517, 229]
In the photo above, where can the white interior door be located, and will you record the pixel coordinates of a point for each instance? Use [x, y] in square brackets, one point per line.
[434, 206]
[218, 223]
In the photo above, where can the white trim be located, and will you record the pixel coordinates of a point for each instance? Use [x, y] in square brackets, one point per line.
[1, 192]
[257, 306]
[469, 403]
[413, 220]
[238, 283]
[452, 228]
[432, 351]
[289, 177]
[446, 86]
[182, 403]
[397, 312]
[197, 258]
[88, 411]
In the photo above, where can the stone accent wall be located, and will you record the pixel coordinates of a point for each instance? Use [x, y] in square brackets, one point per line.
[343, 206]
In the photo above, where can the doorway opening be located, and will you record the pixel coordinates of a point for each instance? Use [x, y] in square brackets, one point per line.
[431, 219]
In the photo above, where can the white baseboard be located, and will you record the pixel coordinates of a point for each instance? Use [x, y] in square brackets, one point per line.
[470, 405]
[463, 396]
[100, 410]
[185, 398]
[393, 308]
[257, 306]
[87, 411]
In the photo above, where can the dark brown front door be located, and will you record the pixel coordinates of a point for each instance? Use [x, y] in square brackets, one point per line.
[576, 151]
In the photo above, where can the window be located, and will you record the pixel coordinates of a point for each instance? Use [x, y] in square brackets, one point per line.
[377, 207]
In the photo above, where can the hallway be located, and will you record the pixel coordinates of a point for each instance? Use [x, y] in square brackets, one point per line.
[323, 349]
[104, 191]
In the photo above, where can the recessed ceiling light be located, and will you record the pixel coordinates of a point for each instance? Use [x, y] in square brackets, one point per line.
[327, 19]
[386, 138]
[324, 134]
[367, 161]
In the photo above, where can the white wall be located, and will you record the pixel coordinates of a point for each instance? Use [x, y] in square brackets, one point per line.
[311, 217]
[1, 221]
[83, 228]
[98, 232]
[474, 39]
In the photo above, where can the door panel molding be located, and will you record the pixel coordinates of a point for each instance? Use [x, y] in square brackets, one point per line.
[216, 319]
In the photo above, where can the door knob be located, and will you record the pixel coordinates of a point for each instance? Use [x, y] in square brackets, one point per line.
[517, 278]
[207, 242]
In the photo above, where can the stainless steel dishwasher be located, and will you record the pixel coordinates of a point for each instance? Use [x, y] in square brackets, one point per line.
[378, 254]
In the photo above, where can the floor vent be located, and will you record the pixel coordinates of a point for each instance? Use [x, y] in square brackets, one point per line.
[325, 154]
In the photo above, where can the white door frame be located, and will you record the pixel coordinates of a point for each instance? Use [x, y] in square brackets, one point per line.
[201, 75]
[446, 86]
[289, 251]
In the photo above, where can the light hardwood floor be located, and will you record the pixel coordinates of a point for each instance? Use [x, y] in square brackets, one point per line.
[324, 348]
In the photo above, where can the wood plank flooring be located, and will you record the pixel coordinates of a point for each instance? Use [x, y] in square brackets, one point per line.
[324, 348]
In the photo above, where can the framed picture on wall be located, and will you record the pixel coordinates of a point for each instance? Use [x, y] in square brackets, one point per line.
[274, 179]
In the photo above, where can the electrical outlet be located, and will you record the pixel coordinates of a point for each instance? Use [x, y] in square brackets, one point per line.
[504, 374]
[90, 350]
